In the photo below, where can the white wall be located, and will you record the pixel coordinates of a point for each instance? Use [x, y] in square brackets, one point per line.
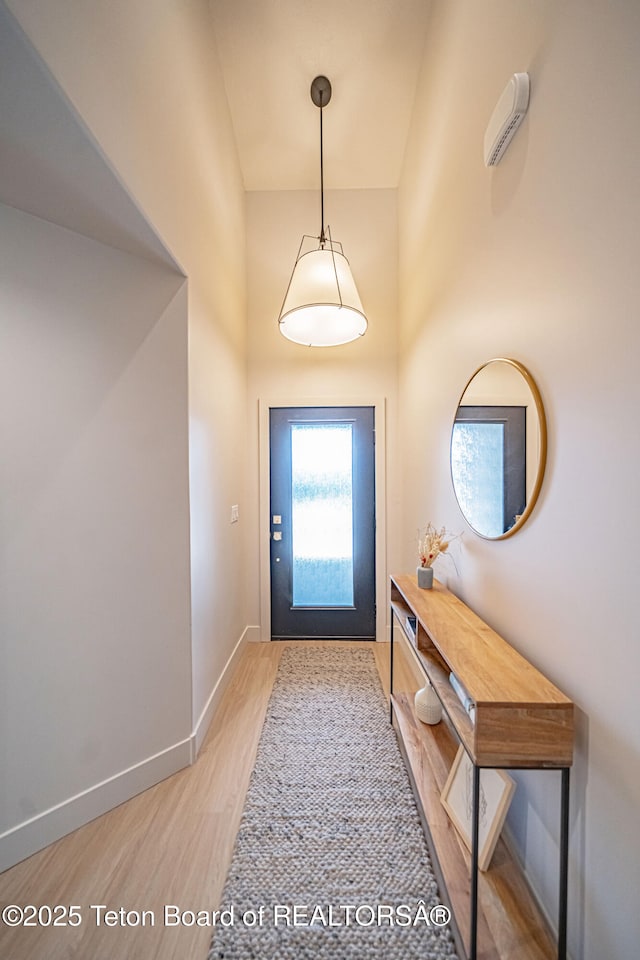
[365, 222]
[537, 260]
[145, 77]
[95, 690]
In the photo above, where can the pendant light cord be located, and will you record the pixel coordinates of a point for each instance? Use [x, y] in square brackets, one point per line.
[322, 236]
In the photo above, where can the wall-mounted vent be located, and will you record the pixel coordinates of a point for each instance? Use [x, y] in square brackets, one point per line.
[506, 118]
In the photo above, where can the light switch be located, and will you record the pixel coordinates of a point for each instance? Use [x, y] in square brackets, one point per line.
[277, 519]
[235, 516]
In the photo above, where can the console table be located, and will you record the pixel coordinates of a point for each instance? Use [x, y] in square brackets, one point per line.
[521, 721]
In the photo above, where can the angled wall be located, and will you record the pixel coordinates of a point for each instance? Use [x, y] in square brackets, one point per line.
[150, 104]
[145, 78]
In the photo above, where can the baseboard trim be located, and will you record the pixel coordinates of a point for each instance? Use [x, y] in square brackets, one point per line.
[45, 828]
[32, 835]
[204, 720]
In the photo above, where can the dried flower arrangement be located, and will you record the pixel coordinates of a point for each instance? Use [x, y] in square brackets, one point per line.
[432, 544]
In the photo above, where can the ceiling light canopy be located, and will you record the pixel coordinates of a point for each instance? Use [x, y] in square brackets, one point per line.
[321, 307]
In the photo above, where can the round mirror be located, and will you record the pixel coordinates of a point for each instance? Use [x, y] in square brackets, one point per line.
[498, 448]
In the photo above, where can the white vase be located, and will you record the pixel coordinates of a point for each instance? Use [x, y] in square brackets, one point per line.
[425, 577]
[427, 705]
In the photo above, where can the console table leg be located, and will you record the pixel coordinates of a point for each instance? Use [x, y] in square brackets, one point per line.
[475, 843]
[564, 866]
[391, 668]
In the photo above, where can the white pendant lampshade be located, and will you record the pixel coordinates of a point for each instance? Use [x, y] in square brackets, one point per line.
[322, 307]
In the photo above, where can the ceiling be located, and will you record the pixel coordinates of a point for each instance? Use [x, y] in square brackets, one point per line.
[270, 52]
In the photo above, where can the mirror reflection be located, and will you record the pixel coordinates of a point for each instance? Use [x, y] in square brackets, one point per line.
[498, 448]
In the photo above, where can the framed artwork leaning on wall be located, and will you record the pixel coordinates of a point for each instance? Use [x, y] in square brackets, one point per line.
[496, 790]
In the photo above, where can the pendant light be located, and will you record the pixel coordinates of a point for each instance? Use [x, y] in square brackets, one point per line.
[321, 307]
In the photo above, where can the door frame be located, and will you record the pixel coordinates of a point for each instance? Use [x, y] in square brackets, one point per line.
[379, 407]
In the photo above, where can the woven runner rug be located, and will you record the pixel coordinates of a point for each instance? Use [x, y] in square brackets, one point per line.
[330, 862]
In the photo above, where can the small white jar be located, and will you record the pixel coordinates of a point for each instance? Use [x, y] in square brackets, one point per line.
[427, 705]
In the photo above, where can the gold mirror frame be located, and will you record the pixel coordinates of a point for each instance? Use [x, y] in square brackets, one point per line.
[542, 446]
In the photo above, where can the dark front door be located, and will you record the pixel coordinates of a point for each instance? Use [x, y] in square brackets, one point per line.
[322, 522]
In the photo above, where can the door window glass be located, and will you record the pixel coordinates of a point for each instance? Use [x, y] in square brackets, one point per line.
[322, 514]
[477, 457]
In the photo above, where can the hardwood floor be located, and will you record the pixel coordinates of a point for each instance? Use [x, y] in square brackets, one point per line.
[171, 844]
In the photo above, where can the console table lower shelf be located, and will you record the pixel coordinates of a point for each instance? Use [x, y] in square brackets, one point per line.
[510, 923]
